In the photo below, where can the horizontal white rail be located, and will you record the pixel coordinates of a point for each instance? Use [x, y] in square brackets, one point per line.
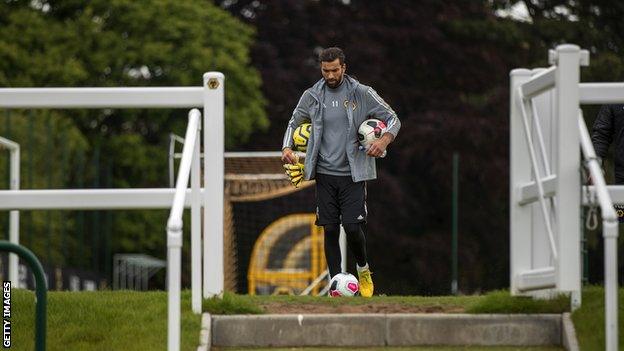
[539, 83]
[257, 154]
[615, 191]
[89, 199]
[128, 97]
[601, 93]
[241, 154]
[11, 145]
[529, 193]
[536, 279]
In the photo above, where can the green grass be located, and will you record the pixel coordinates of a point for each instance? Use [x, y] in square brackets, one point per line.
[127, 320]
[493, 302]
[502, 302]
[103, 320]
[230, 304]
[466, 348]
[589, 320]
[457, 301]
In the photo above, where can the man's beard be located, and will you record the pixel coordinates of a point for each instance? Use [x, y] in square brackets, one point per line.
[334, 83]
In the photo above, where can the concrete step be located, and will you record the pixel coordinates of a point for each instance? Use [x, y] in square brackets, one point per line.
[386, 330]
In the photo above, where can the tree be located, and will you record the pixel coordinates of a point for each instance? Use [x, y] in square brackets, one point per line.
[443, 66]
[124, 43]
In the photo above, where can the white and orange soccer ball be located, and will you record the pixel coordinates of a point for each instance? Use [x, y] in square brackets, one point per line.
[343, 284]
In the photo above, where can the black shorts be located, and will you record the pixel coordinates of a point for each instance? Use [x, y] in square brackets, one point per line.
[339, 199]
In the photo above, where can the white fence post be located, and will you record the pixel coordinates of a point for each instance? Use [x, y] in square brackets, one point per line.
[196, 248]
[610, 233]
[14, 180]
[213, 182]
[174, 232]
[14, 217]
[568, 199]
[174, 272]
[520, 173]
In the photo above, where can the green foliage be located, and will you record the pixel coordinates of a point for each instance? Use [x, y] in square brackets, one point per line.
[50, 147]
[129, 43]
[403, 348]
[589, 320]
[114, 43]
[230, 304]
[444, 68]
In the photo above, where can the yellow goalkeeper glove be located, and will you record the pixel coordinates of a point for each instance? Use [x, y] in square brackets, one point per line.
[294, 173]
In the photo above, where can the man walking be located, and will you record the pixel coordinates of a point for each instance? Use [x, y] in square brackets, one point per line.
[336, 106]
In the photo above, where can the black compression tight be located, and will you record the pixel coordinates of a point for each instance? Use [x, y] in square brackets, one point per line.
[355, 240]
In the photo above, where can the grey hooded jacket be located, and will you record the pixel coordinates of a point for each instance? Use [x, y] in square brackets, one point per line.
[363, 103]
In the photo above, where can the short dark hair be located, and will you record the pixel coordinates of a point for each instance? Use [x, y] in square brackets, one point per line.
[330, 54]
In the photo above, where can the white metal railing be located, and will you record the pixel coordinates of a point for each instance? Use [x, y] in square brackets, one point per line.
[539, 83]
[14, 182]
[544, 81]
[615, 191]
[214, 145]
[601, 93]
[89, 199]
[609, 233]
[210, 96]
[174, 228]
[125, 97]
[545, 173]
[561, 93]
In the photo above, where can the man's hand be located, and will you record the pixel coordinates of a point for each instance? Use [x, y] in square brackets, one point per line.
[294, 173]
[289, 156]
[378, 147]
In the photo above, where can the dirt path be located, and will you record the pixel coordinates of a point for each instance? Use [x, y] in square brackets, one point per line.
[293, 308]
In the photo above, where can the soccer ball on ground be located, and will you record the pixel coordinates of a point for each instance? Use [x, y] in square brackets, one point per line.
[369, 131]
[301, 136]
[343, 284]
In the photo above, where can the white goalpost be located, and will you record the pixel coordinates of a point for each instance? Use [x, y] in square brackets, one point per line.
[206, 278]
[547, 130]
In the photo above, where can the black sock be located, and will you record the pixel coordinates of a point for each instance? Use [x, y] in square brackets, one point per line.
[332, 248]
[357, 241]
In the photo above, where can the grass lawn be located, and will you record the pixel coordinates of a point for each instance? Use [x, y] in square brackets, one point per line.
[102, 320]
[473, 348]
[493, 302]
[589, 320]
[128, 320]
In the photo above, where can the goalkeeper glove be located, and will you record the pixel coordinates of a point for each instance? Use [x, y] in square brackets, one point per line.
[294, 173]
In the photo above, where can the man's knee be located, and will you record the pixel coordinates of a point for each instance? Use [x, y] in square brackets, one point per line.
[352, 228]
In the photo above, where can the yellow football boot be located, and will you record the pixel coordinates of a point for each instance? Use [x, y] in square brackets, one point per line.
[366, 283]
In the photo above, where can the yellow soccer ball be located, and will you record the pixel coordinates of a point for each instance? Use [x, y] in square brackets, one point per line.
[301, 136]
